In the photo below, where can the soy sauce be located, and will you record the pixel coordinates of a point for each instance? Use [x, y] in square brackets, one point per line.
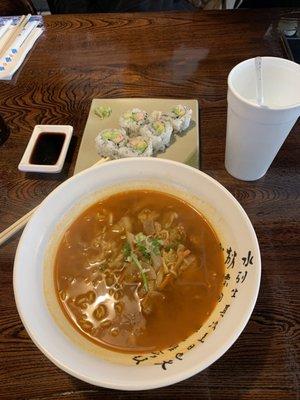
[47, 148]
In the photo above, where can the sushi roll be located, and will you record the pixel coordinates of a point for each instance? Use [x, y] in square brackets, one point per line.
[158, 115]
[159, 132]
[138, 146]
[108, 142]
[133, 120]
[180, 117]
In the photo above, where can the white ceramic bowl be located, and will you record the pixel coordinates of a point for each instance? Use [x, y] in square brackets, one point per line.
[55, 338]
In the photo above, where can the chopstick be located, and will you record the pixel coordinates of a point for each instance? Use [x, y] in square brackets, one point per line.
[15, 227]
[20, 223]
[12, 36]
[5, 27]
[24, 28]
[25, 32]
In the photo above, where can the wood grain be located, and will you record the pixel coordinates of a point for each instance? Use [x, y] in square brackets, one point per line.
[156, 55]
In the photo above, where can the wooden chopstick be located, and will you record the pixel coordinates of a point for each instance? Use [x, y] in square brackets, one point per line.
[20, 223]
[5, 27]
[15, 227]
[21, 23]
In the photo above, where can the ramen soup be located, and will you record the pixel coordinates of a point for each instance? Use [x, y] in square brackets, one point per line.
[139, 271]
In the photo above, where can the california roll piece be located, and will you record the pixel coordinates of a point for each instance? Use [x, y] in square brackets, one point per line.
[138, 146]
[133, 120]
[180, 117]
[109, 141]
[159, 132]
[158, 115]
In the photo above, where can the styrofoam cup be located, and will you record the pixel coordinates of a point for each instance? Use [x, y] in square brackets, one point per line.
[256, 133]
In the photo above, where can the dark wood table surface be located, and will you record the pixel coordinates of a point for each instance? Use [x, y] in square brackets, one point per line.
[178, 55]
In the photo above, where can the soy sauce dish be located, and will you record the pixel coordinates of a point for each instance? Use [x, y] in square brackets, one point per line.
[143, 274]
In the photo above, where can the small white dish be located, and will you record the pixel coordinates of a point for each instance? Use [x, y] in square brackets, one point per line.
[27, 166]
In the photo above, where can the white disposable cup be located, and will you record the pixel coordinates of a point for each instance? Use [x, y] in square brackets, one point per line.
[256, 133]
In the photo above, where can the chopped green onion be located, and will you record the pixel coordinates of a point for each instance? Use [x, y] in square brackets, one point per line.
[147, 245]
[140, 240]
[130, 256]
[126, 250]
[156, 245]
[138, 264]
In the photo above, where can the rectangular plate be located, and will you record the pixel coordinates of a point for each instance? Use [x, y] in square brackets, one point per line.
[184, 148]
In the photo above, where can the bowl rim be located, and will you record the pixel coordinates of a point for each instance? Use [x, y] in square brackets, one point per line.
[165, 380]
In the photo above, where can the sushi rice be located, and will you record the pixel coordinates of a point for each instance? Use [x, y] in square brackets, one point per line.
[159, 131]
[133, 120]
[137, 146]
[109, 141]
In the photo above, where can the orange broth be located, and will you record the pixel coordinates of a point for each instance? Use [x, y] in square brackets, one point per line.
[95, 255]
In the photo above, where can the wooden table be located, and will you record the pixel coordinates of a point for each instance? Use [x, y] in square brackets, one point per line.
[156, 55]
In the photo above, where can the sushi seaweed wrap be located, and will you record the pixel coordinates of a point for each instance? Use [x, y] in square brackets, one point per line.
[133, 120]
[138, 146]
[109, 141]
